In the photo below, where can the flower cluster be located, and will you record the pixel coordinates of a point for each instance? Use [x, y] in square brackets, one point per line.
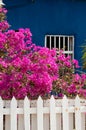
[3, 23]
[25, 69]
[68, 82]
[4, 26]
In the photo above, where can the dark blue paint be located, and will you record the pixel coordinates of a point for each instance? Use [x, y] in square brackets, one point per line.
[50, 17]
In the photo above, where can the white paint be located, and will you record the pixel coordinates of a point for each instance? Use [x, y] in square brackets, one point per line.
[51, 114]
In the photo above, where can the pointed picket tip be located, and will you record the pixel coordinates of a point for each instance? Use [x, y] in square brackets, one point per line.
[13, 101]
[52, 100]
[77, 97]
[77, 101]
[39, 101]
[26, 99]
[1, 101]
[13, 98]
[65, 97]
[52, 97]
[26, 102]
[39, 98]
[0, 98]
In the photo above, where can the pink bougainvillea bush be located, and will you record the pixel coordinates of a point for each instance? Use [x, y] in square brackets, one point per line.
[68, 82]
[30, 70]
[25, 69]
[3, 23]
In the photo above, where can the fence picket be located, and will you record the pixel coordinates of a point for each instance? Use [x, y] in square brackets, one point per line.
[40, 114]
[1, 114]
[13, 114]
[27, 113]
[52, 114]
[66, 122]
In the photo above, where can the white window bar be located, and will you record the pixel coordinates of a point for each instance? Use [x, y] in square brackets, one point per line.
[45, 41]
[61, 42]
[50, 43]
[54, 42]
[68, 43]
[64, 47]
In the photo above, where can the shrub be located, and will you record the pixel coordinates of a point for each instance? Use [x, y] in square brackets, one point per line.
[25, 69]
[68, 82]
[84, 57]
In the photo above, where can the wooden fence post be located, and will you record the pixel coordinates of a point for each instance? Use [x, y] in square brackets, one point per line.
[26, 113]
[20, 117]
[66, 119]
[52, 114]
[39, 114]
[13, 114]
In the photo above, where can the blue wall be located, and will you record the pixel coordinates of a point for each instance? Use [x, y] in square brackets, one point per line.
[50, 17]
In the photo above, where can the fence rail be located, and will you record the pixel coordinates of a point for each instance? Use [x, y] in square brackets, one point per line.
[51, 114]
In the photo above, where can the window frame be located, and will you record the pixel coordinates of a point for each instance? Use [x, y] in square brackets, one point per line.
[70, 42]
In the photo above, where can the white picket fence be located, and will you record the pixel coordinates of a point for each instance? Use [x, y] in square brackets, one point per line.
[51, 114]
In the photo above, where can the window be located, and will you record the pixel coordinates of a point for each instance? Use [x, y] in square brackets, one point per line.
[62, 42]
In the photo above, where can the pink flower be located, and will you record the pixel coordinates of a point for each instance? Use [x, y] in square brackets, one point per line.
[77, 78]
[3, 10]
[72, 89]
[75, 62]
[4, 26]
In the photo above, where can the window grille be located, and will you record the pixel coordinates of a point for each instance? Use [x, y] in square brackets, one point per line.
[61, 42]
